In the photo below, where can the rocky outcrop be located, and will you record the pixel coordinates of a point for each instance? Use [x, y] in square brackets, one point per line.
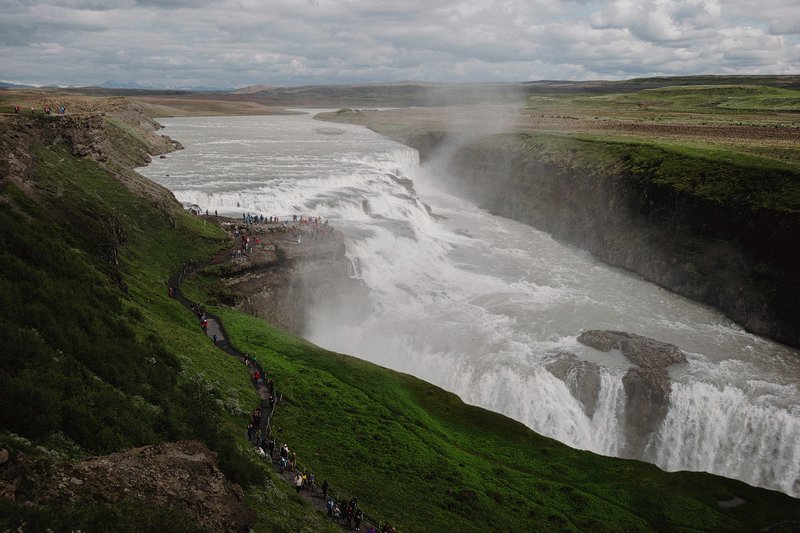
[284, 280]
[183, 476]
[641, 351]
[737, 257]
[647, 384]
[582, 379]
[85, 135]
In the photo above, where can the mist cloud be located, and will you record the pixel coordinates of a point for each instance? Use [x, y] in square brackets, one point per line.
[228, 43]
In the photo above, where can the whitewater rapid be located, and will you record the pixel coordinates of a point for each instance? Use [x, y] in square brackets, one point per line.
[479, 304]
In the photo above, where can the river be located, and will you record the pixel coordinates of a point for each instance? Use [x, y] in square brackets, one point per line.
[479, 304]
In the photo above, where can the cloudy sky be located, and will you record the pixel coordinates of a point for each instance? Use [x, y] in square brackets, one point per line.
[233, 43]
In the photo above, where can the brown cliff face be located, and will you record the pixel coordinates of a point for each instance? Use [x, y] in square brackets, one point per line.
[182, 475]
[283, 280]
[84, 134]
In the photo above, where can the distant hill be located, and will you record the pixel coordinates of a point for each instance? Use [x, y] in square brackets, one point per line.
[111, 84]
[434, 94]
[7, 85]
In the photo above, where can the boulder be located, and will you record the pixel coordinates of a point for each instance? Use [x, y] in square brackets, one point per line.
[641, 351]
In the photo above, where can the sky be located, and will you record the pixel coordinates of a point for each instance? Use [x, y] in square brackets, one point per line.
[235, 43]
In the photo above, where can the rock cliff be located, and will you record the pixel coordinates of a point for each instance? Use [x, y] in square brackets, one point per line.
[284, 280]
[737, 257]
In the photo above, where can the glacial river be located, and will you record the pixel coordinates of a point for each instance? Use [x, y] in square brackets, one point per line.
[479, 304]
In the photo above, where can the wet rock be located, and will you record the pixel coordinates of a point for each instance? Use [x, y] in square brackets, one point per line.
[641, 351]
[647, 385]
[647, 401]
[176, 145]
[581, 377]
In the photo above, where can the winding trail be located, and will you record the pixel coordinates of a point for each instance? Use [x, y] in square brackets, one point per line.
[265, 390]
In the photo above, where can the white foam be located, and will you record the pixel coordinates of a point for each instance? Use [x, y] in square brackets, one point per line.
[478, 304]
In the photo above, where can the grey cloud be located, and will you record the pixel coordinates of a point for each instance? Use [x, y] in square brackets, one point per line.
[238, 42]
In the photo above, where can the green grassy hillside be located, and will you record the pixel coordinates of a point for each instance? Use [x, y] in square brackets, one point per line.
[419, 457]
[98, 358]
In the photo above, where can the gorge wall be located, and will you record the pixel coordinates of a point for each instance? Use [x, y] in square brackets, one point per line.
[285, 280]
[730, 255]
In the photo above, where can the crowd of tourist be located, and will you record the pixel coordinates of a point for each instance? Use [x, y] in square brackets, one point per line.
[258, 431]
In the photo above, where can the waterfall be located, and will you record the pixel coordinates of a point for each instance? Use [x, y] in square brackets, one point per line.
[482, 306]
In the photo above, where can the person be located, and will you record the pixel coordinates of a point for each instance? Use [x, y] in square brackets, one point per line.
[292, 462]
[284, 456]
[298, 482]
[16, 109]
[330, 503]
[271, 446]
[214, 338]
[357, 519]
[325, 489]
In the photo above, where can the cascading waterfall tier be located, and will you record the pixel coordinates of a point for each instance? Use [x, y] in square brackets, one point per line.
[492, 309]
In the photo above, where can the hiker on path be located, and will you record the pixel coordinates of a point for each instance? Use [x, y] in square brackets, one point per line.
[330, 503]
[357, 519]
[284, 456]
[325, 489]
[292, 462]
[349, 515]
[298, 482]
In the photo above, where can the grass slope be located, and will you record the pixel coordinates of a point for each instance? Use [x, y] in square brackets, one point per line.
[417, 456]
[97, 358]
